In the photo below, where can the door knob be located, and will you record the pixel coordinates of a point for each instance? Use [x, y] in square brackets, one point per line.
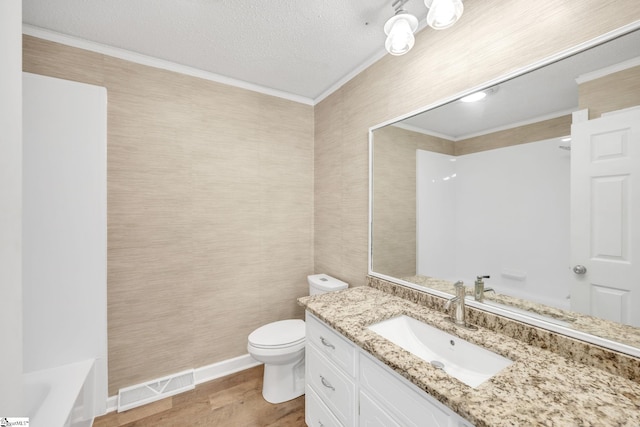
[579, 269]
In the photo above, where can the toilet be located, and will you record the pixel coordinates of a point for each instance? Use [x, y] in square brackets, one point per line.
[280, 346]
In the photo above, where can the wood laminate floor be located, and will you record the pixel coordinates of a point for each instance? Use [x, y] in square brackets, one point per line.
[234, 401]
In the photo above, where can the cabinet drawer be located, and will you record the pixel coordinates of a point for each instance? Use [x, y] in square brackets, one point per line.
[339, 350]
[335, 389]
[316, 414]
[410, 407]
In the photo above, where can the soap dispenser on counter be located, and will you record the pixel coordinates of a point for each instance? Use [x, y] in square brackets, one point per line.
[479, 288]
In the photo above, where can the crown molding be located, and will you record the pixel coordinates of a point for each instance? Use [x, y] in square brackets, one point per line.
[150, 61]
[625, 65]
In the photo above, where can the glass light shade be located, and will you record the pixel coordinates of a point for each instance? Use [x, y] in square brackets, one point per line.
[399, 30]
[443, 13]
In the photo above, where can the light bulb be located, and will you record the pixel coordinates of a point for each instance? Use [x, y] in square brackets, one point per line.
[443, 13]
[399, 30]
[400, 39]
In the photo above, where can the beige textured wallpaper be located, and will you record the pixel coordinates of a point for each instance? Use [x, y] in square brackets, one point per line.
[394, 192]
[210, 211]
[546, 129]
[613, 92]
[494, 37]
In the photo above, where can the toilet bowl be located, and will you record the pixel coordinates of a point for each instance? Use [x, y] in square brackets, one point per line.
[280, 346]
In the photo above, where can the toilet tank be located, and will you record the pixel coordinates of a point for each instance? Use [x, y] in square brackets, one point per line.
[322, 283]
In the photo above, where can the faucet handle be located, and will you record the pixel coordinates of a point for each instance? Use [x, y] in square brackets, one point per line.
[483, 277]
[459, 284]
[447, 305]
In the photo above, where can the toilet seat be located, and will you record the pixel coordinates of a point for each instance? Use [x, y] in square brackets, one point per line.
[280, 334]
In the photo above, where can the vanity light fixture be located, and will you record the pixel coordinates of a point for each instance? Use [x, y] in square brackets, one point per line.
[399, 30]
[443, 13]
[401, 27]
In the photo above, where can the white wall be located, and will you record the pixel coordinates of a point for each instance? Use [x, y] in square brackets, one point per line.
[515, 197]
[10, 207]
[65, 225]
[436, 208]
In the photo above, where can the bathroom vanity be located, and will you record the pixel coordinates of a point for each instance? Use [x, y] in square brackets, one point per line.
[355, 377]
[346, 386]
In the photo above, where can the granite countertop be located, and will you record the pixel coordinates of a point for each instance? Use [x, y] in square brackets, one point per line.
[580, 322]
[539, 388]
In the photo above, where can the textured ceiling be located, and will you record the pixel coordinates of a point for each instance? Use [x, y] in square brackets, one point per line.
[297, 49]
[303, 48]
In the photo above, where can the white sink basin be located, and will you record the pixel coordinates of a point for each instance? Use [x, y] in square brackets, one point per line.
[461, 359]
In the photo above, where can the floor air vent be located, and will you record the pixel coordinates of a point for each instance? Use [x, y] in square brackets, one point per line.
[141, 394]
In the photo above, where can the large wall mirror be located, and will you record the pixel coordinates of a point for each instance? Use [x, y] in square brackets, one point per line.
[536, 185]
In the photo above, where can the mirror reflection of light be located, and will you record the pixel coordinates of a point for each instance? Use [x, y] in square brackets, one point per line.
[474, 97]
[446, 178]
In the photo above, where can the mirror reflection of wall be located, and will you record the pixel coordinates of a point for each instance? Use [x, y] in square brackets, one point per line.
[394, 190]
[490, 202]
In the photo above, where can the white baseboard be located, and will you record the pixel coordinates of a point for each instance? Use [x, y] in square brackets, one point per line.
[112, 404]
[207, 373]
[224, 368]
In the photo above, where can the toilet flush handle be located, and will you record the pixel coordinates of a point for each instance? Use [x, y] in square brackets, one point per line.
[326, 343]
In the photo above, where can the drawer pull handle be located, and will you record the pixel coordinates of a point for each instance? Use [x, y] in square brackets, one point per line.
[326, 383]
[327, 343]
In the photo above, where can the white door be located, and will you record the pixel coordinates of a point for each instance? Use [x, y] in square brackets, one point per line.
[605, 216]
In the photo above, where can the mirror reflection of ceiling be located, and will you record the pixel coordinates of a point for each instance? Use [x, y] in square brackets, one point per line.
[541, 93]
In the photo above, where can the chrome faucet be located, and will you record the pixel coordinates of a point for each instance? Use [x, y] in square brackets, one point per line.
[459, 315]
[479, 288]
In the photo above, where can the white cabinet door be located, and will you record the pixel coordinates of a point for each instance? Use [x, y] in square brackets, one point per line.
[410, 407]
[372, 415]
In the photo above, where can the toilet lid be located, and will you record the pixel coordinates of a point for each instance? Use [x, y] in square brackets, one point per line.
[278, 334]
